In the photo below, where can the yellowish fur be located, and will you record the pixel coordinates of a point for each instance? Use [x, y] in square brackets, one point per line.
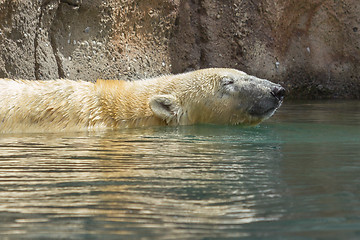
[78, 105]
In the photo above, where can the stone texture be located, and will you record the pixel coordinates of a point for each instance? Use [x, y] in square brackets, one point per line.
[309, 46]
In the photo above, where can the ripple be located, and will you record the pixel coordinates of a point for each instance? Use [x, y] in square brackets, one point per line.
[283, 179]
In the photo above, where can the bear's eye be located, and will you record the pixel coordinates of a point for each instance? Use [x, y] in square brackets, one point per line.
[227, 81]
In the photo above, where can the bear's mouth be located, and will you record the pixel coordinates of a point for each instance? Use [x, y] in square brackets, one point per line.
[270, 112]
[264, 111]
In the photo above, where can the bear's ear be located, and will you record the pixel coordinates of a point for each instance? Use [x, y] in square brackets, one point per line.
[165, 107]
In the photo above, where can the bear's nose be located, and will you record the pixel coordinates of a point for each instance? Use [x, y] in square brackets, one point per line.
[279, 93]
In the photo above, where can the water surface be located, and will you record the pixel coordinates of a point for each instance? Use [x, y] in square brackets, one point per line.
[296, 176]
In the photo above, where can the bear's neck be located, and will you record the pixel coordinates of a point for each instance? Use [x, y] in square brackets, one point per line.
[126, 104]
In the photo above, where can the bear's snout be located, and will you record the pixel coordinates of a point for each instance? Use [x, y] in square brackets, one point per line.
[278, 92]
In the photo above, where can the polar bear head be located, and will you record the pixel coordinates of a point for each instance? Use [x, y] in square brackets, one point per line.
[216, 96]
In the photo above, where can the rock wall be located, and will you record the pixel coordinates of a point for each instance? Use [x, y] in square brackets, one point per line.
[309, 46]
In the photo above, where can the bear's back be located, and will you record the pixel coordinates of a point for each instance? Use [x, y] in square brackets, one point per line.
[48, 104]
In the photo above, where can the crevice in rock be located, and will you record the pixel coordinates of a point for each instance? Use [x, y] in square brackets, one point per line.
[189, 38]
[44, 25]
[200, 31]
[202, 35]
[36, 43]
[54, 46]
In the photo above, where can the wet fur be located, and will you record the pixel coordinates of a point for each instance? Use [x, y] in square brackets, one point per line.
[58, 105]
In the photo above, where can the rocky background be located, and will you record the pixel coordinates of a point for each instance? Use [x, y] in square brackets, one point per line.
[309, 46]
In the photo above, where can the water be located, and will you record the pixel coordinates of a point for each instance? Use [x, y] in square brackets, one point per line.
[296, 176]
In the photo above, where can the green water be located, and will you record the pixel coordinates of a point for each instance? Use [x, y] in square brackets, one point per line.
[296, 176]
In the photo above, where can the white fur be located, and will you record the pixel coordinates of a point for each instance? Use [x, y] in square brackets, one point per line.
[202, 96]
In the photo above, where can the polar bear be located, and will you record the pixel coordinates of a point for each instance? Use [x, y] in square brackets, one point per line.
[214, 95]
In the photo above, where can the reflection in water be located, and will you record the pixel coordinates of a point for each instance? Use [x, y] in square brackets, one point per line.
[161, 181]
[292, 177]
